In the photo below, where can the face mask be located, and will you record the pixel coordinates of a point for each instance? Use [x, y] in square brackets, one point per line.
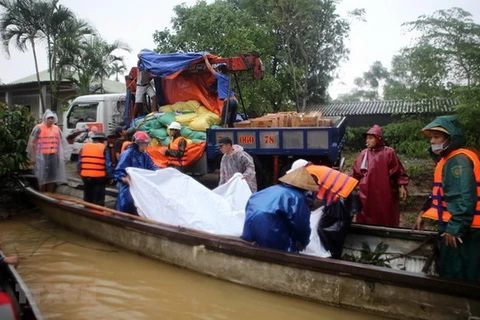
[438, 147]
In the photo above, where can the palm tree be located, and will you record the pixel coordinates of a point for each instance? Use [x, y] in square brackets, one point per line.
[94, 62]
[106, 58]
[19, 22]
[53, 19]
[63, 34]
[117, 69]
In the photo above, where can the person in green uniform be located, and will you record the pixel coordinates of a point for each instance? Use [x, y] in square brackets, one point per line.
[455, 200]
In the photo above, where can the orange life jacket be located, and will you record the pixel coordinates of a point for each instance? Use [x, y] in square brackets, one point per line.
[438, 210]
[48, 139]
[174, 145]
[333, 183]
[93, 161]
[125, 144]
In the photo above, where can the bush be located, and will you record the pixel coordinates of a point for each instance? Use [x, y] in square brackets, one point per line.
[406, 139]
[468, 113]
[355, 141]
[16, 123]
[404, 136]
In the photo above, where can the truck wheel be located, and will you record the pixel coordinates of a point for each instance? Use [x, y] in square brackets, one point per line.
[263, 173]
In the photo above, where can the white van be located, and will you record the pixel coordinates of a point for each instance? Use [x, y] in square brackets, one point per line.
[92, 113]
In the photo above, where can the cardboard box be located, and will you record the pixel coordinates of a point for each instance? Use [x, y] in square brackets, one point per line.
[324, 122]
[303, 120]
[242, 124]
[317, 114]
[284, 118]
[264, 122]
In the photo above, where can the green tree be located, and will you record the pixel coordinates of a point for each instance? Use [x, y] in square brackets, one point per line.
[224, 30]
[456, 38]
[368, 85]
[92, 62]
[16, 123]
[19, 23]
[418, 72]
[456, 41]
[106, 56]
[301, 43]
[308, 38]
[116, 69]
[62, 31]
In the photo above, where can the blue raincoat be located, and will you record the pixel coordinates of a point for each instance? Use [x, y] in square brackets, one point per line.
[131, 157]
[277, 218]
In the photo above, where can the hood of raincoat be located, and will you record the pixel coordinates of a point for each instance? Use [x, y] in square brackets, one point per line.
[49, 113]
[453, 127]
[236, 149]
[376, 131]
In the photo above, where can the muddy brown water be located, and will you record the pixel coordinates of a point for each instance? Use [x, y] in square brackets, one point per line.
[74, 277]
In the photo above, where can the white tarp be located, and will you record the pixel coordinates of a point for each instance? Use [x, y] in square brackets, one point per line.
[171, 197]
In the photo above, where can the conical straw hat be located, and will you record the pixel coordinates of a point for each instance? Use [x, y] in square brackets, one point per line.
[300, 178]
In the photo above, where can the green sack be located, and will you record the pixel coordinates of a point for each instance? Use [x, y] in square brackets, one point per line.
[159, 133]
[164, 141]
[186, 132]
[166, 119]
[198, 135]
[150, 125]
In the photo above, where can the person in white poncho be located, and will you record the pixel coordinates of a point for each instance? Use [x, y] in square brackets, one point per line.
[236, 160]
[47, 150]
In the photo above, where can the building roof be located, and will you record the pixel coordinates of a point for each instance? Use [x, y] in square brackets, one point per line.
[385, 107]
[44, 77]
[109, 86]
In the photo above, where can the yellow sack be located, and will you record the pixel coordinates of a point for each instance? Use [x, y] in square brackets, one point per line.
[193, 105]
[204, 121]
[185, 119]
[202, 110]
[189, 142]
[166, 108]
[181, 106]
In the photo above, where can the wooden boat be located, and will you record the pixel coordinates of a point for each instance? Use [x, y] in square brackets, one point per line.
[23, 302]
[391, 292]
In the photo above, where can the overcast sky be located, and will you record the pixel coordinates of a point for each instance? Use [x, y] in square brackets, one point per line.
[379, 38]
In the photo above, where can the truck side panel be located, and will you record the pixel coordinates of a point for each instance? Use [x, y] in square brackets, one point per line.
[315, 141]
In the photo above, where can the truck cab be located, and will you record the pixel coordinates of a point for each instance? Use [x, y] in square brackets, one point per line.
[91, 113]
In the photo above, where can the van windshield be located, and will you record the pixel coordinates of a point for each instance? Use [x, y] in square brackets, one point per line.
[82, 112]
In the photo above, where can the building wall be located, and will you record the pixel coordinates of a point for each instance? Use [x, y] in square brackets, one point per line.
[27, 95]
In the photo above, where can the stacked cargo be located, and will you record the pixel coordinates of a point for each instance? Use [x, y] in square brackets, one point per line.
[287, 120]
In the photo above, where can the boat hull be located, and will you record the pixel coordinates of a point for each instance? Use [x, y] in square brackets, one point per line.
[396, 294]
[24, 303]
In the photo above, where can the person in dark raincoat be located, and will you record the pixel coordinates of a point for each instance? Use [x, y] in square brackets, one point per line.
[383, 181]
[455, 200]
[136, 157]
[278, 217]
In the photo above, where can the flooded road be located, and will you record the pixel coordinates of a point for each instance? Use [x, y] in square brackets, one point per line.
[73, 277]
